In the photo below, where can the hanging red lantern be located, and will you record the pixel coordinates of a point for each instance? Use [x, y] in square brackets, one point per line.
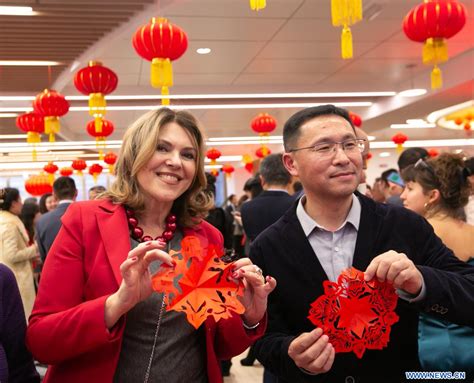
[107, 130]
[66, 171]
[432, 153]
[95, 170]
[356, 119]
[369, 156]
[50, 168]
[37, 185]
[228, 169]
[33, 125]
[110, 159]
[263, 124]
[257, 5]
[346, 13]
[467, 128]
[262, 152]
[399, 139]
[248, 162]
[96, 81]
[51, 105]
[213, 154]
[160, 42]
[432, 23]
[79, 165]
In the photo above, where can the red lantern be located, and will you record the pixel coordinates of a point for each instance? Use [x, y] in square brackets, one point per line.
[248, 162]
[228, 169]
[79, 166]
[96, 81]
[33, 125]
[66, 171]
[160, 42]
[50, 168]
[369, 156]
[110, 159]
[263, 124]
[433, 153]
[262, 152]
[213, 154]
[432, 22]
[399, 139]
[356, 119]
[51, 105]
[95, 170]
[107, 130]
[467, 128]
[38, 185]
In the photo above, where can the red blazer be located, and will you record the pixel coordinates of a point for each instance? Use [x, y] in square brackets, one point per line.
[67, 326]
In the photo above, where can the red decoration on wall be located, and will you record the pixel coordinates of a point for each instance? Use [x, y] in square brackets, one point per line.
[33, 125]
[160, 42]
[432, 22]
[354, 314]
[96, 81]
[51, 105]
[38, 185]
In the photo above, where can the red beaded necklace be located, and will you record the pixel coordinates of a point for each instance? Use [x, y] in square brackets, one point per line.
[138, 234]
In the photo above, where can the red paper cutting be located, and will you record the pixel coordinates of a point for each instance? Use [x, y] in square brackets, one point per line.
[200, 285]
[354, 314]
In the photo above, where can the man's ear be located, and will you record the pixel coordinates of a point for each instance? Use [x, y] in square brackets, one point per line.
[289, 163]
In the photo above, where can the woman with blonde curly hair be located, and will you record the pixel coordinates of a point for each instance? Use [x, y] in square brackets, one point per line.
[438, 189]
[96, 318]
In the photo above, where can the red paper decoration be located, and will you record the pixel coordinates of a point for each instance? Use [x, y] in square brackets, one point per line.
[213, 154]
[228, 169]
[354, 314]
[51, 105]
[95, 170]
[50, 168]
[431, 23]
[66, 171]
[33, 125]
[79, 165]
[399, 139]
[356, 119]
[110, 159]
[96, 81]
[38, 185]
[160, 42]
[263, 124]
[262, 152]
[433, 153]
[107, 130]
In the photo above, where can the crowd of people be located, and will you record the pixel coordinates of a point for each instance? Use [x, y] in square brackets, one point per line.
[80, 271]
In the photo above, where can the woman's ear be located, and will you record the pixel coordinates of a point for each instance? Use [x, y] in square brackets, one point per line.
[434, 197]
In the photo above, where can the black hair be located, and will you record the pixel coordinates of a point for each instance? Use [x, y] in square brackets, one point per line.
[410, 156]
[273, 171]
[9, 196]
[27, 216]
[64, 188]
[291, 130]
[42, 203]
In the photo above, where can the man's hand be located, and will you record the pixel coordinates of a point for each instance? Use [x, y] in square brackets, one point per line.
[398, 269]
[312, 352]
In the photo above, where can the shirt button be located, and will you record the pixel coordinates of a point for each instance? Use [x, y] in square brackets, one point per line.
[336, 249]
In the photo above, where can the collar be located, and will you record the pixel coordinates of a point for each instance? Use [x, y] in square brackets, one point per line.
[277, 189]
[308, 224]
[65, 201]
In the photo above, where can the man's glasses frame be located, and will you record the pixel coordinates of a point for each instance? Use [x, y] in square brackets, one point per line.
[325, 148]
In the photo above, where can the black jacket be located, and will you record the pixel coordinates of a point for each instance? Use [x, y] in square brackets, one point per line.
[284, 252]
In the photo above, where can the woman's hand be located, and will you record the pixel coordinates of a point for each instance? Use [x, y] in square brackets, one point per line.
[256, 290]
[136, 279]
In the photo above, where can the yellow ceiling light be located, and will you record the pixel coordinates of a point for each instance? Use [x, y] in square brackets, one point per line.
[457, 117]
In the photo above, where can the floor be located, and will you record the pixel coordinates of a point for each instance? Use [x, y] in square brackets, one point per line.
[243, 374]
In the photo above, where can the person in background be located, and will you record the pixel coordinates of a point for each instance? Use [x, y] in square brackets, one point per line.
[332, 228]
[438, 189]
[410, 156]
[47, 203]
[469, 209]
[47, 227]
[15, 250]
[392, 186]
[238, 235]
[29, 216]
[96, 191]
[97, 318]
[30, 201]
[253, 186]
[16, 362]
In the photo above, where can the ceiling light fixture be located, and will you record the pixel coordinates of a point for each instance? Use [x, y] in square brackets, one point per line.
[424, 125]
[412, 92]
[203, 51]
[8, 115]
[17, 11]
[384, 154]
[12, 136]
[28, 63]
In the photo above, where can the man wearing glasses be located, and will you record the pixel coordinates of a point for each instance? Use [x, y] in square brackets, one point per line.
[331, 229]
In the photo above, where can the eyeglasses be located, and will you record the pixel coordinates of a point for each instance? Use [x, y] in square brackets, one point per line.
[353, 145]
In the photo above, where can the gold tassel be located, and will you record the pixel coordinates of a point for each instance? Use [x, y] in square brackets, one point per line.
[95, 176]
[51, 127]
[51, 178]
[399, 148]
[345, 12]
[256, 5]
[98, 122]
[346, 43]
[435, 51]
[97, 104]
[161, 73]
[436, 78]
[111, 169]
[33, 138]
[165, 92]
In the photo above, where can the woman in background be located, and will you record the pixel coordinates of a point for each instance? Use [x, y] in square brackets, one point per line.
[47, 203]
[438, 189]
[30, 212]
